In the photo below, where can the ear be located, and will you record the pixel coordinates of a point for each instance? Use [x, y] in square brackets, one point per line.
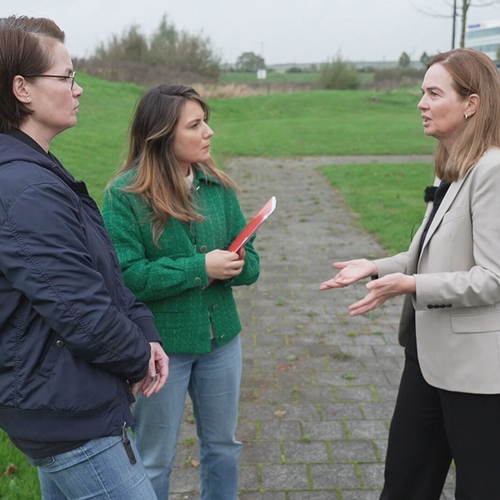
[471, 104]
[20, 89]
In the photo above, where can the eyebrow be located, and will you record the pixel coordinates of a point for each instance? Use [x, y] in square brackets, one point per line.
[432, 87]
[194, 120]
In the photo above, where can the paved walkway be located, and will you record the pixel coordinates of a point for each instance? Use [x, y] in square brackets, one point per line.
[318, 386]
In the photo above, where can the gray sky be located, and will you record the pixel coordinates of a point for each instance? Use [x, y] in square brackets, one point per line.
[282, 31]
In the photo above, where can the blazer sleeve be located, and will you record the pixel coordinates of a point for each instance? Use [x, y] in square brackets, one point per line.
[396, 264]
[44, 256]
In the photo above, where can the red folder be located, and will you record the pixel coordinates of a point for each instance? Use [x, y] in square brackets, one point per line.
[251, 227]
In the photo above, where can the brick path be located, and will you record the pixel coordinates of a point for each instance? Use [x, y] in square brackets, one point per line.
[318, 386]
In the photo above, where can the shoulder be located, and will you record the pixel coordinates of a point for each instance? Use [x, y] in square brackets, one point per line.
[122, 181]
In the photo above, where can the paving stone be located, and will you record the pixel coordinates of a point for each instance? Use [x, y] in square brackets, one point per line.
[334, 476]
[323, 430]
[280, 431]
[285, 477]
[256, 453]
[311, 452]
[353, 451]
[362, 429]
[314, 495]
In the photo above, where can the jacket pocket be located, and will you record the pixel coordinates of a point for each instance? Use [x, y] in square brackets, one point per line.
[55, 347]
[476, 323]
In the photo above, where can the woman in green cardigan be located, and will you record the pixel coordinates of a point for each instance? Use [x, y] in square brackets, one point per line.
[171, 213]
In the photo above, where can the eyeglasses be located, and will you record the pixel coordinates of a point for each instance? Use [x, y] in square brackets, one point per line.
[70, 77]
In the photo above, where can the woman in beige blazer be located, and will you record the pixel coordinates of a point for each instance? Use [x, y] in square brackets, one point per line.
[448, 405]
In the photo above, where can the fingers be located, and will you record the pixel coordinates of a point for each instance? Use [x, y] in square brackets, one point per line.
[333, 283]
[340, 265]
[157, 371]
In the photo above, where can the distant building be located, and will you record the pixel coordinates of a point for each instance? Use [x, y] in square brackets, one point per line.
[484, 37]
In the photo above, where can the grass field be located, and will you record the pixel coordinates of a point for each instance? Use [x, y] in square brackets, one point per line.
[386, 198]
[293, 124]
[296, 124]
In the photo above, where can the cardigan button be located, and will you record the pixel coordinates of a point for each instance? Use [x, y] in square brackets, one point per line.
[203, 249]
[215, 307]
[59, 343]
[430, 306]
[197, 281]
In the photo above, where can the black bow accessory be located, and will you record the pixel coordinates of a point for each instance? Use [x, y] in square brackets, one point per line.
[429, 193]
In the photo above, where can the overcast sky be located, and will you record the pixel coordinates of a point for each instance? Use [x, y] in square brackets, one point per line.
[282, 31]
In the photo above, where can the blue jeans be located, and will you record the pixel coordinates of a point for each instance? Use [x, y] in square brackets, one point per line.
[213, 382]
[98, 470]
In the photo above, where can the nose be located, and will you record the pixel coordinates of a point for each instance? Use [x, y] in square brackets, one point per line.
[77, 90]
[208, 132]
[422, 104]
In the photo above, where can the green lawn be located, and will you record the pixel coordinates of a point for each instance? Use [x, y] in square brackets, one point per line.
[291, 124]
[388, 198]
[320, 123]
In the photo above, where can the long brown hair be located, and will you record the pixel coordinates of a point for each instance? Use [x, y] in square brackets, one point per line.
[158, 176]
[472, 72]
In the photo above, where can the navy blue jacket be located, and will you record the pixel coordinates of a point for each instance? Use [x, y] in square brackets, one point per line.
[71, 333]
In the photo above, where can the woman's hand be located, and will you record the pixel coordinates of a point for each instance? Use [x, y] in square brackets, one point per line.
[157, 372]
[381, 290]
[351, 271]
[223, 265]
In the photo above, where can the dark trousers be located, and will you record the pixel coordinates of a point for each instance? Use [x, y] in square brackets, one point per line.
[430, 428]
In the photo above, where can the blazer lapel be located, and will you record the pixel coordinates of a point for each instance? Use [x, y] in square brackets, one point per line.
[443, 208]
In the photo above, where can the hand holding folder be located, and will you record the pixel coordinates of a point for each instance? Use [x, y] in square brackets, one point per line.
[251, 227]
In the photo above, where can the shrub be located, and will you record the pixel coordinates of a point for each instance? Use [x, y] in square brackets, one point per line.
[338, 74]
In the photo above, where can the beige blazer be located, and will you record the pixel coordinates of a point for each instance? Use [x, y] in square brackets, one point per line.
[457, 299]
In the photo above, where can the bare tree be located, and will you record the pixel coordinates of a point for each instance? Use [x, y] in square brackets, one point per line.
[459, 9]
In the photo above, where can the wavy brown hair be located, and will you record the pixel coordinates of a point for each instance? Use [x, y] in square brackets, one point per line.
[472, 72]
[158, 178]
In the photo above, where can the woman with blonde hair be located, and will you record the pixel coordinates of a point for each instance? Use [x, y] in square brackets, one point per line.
[171, 214]
[448, 406]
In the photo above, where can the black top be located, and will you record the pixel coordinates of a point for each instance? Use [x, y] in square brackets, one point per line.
[436, 195]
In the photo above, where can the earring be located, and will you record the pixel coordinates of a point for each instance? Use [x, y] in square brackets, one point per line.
[28, 99]
[466, 116]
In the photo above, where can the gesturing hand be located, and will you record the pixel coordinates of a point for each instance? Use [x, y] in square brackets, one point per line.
[350, 272]
[381, 290]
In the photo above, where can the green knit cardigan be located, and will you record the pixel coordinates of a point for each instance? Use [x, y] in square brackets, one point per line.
[171, 279]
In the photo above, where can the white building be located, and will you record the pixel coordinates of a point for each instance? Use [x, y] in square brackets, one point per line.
[484, 37]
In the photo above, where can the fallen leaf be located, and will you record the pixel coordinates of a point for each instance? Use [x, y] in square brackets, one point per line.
[195, 463]
[11, 469]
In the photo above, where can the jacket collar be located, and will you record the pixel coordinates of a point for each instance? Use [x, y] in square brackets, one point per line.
[453, 190]
[201, 177]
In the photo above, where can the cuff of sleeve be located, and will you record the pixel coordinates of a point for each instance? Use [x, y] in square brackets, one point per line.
[196, 274]
[149, 330]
